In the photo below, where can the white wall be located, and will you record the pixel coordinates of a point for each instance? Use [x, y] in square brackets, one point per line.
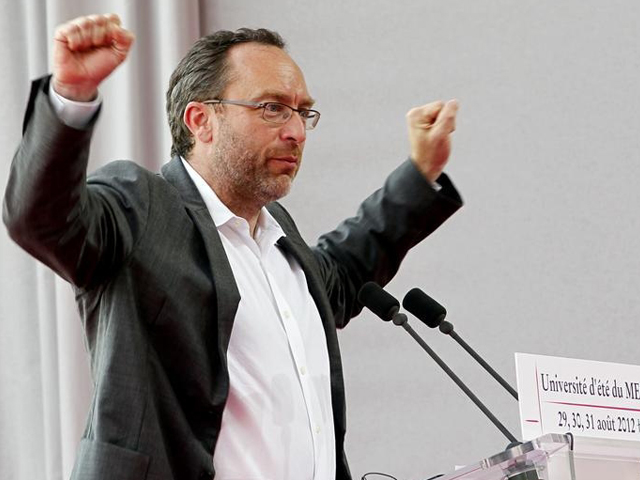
[542, 258]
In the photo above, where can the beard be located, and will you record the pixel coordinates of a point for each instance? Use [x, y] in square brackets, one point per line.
[244, 172]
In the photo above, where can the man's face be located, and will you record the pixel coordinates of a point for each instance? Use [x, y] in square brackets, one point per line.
[255, 160]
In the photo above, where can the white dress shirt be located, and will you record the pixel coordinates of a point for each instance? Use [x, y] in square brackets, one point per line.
[278, 421]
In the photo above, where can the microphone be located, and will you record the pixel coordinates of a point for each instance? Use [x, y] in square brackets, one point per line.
[378, 301]
[432, 314]
[385, 306]
[425, 308]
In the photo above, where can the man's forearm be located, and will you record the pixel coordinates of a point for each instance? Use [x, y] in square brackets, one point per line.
[46, 184]
[371, 245]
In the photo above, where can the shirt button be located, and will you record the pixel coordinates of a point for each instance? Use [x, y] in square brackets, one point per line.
[317, 428]
[286, 314]
[303, 370]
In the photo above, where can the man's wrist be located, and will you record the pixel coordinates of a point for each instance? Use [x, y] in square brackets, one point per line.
[75, 114]
[430, 176]
[74, 93]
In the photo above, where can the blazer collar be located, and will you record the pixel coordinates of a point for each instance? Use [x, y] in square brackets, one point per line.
[175, 173]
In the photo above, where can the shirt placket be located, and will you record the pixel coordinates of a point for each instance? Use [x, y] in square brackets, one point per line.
[296, 345]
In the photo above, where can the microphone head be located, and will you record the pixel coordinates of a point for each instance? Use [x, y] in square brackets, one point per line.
[425, 308]
[383, 304]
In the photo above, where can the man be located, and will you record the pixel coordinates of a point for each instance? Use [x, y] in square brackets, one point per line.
[210, 323]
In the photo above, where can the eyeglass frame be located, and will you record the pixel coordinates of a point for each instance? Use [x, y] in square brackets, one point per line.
[263, 106]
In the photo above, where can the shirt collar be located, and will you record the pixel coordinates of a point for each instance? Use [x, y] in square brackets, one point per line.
[267, 226]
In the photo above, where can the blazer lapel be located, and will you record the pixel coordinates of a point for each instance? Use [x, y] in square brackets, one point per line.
[293, 245]
[226, 290]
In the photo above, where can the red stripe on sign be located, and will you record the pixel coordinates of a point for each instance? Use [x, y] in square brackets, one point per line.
[596, 406]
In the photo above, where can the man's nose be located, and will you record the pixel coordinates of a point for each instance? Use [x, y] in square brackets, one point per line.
[294, 129]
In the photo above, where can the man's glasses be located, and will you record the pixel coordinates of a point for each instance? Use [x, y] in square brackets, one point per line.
[275, 112]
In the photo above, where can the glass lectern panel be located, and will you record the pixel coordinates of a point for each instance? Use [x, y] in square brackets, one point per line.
[545, 458]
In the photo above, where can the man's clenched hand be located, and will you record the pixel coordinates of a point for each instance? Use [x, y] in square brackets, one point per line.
[430, 129]
[85, 51]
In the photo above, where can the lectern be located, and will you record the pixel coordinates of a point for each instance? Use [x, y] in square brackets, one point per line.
[558, 457]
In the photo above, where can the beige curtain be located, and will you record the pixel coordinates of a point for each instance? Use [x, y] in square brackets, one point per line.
[45, 386]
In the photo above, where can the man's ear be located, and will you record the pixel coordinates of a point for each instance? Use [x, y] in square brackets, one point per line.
[201, 121]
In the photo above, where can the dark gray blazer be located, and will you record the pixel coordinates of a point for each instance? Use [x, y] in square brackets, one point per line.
[158, 298]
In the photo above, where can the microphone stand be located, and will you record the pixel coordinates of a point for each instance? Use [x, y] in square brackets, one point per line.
[520, 471]
[447, 329]
[400, 319]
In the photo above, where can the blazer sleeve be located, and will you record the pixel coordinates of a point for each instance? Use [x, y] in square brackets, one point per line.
[371, 245]
[81, 231]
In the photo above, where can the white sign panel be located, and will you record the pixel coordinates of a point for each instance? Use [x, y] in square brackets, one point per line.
[586, 398]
